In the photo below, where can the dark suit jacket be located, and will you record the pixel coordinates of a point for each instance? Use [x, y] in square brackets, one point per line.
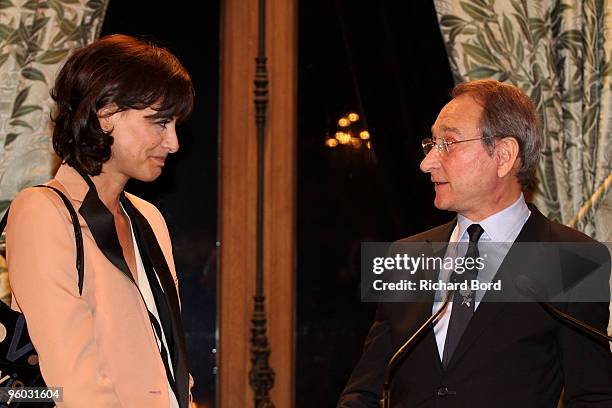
[511, 354]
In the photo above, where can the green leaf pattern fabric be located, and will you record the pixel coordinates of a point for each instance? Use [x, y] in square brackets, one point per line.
[559, 52]
[36, 37]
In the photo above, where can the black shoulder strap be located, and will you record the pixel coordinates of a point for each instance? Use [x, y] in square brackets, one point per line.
[77, 233]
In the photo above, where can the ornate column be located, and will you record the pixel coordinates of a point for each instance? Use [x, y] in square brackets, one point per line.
[256, 273]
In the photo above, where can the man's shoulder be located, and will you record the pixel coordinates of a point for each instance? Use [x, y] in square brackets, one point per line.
[557, 232]
[574, 245]
[441, 233]
[563, 233]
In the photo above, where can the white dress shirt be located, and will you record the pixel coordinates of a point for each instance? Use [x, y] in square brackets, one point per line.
[500, 231]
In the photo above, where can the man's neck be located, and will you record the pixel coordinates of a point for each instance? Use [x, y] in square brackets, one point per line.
[502, 226]
[494, 203]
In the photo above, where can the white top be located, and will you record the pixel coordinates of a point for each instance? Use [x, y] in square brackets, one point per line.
[147, 295]
[499, 228]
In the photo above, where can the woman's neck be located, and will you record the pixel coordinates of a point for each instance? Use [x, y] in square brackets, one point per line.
[109, 188]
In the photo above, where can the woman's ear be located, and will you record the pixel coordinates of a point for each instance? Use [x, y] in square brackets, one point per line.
[107, 116]
[507, 155]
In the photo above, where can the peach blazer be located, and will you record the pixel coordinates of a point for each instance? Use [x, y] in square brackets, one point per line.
[99, 346]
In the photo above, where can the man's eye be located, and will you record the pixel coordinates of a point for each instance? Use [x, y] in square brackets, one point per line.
[163, 123]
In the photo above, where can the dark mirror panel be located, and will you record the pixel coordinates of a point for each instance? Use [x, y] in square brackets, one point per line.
[372, 79]
[186, 193]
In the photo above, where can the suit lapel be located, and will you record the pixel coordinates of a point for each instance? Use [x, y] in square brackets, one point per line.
[102, 226]
[154, 253]
[438, 240]
[535, 230]
[147, 242]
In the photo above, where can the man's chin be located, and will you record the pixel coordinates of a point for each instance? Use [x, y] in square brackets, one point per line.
[442, 204]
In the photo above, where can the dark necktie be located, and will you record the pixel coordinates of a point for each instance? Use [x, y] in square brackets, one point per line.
[463, 302]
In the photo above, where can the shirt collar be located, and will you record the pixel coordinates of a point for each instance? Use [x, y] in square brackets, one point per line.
[499, 226]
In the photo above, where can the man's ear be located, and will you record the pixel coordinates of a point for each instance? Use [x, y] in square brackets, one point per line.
[107, 116]
[507, 155]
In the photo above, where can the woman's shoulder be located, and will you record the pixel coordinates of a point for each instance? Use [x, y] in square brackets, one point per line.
[38, 206]
[36, 198]
[150, 211]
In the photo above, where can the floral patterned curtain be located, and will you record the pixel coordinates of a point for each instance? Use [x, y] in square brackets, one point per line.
[36, 37]
[558, 51]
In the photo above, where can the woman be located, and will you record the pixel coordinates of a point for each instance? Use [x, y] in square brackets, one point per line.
[120, 342]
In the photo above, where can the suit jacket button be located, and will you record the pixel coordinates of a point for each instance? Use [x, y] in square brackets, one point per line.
[443, 391]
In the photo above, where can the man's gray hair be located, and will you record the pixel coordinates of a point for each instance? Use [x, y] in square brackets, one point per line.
[508, 112]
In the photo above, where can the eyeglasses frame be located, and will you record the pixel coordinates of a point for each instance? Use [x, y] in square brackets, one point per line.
[443, 147]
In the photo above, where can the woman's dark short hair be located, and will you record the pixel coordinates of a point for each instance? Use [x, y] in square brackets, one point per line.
[120, 70]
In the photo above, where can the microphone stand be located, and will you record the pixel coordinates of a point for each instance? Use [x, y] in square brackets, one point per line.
[533, 290]
[385, 402]
[575, 322]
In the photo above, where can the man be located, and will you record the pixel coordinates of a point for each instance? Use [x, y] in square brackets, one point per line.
[484, 149]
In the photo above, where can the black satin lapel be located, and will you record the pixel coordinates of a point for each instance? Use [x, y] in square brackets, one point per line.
[102, 226]
[161, 302]
[536, 229]
[153, 252]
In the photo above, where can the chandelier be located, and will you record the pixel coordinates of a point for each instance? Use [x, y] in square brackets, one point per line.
[350, 133]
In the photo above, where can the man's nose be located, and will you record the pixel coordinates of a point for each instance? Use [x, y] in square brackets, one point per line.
[431, 161]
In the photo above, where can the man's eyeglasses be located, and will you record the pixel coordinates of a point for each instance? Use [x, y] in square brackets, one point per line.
[442, 145]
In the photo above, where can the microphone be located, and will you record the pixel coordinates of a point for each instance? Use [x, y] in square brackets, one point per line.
[528, 288]
[385, 401]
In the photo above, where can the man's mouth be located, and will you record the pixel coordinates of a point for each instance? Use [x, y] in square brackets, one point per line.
[159, 159]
